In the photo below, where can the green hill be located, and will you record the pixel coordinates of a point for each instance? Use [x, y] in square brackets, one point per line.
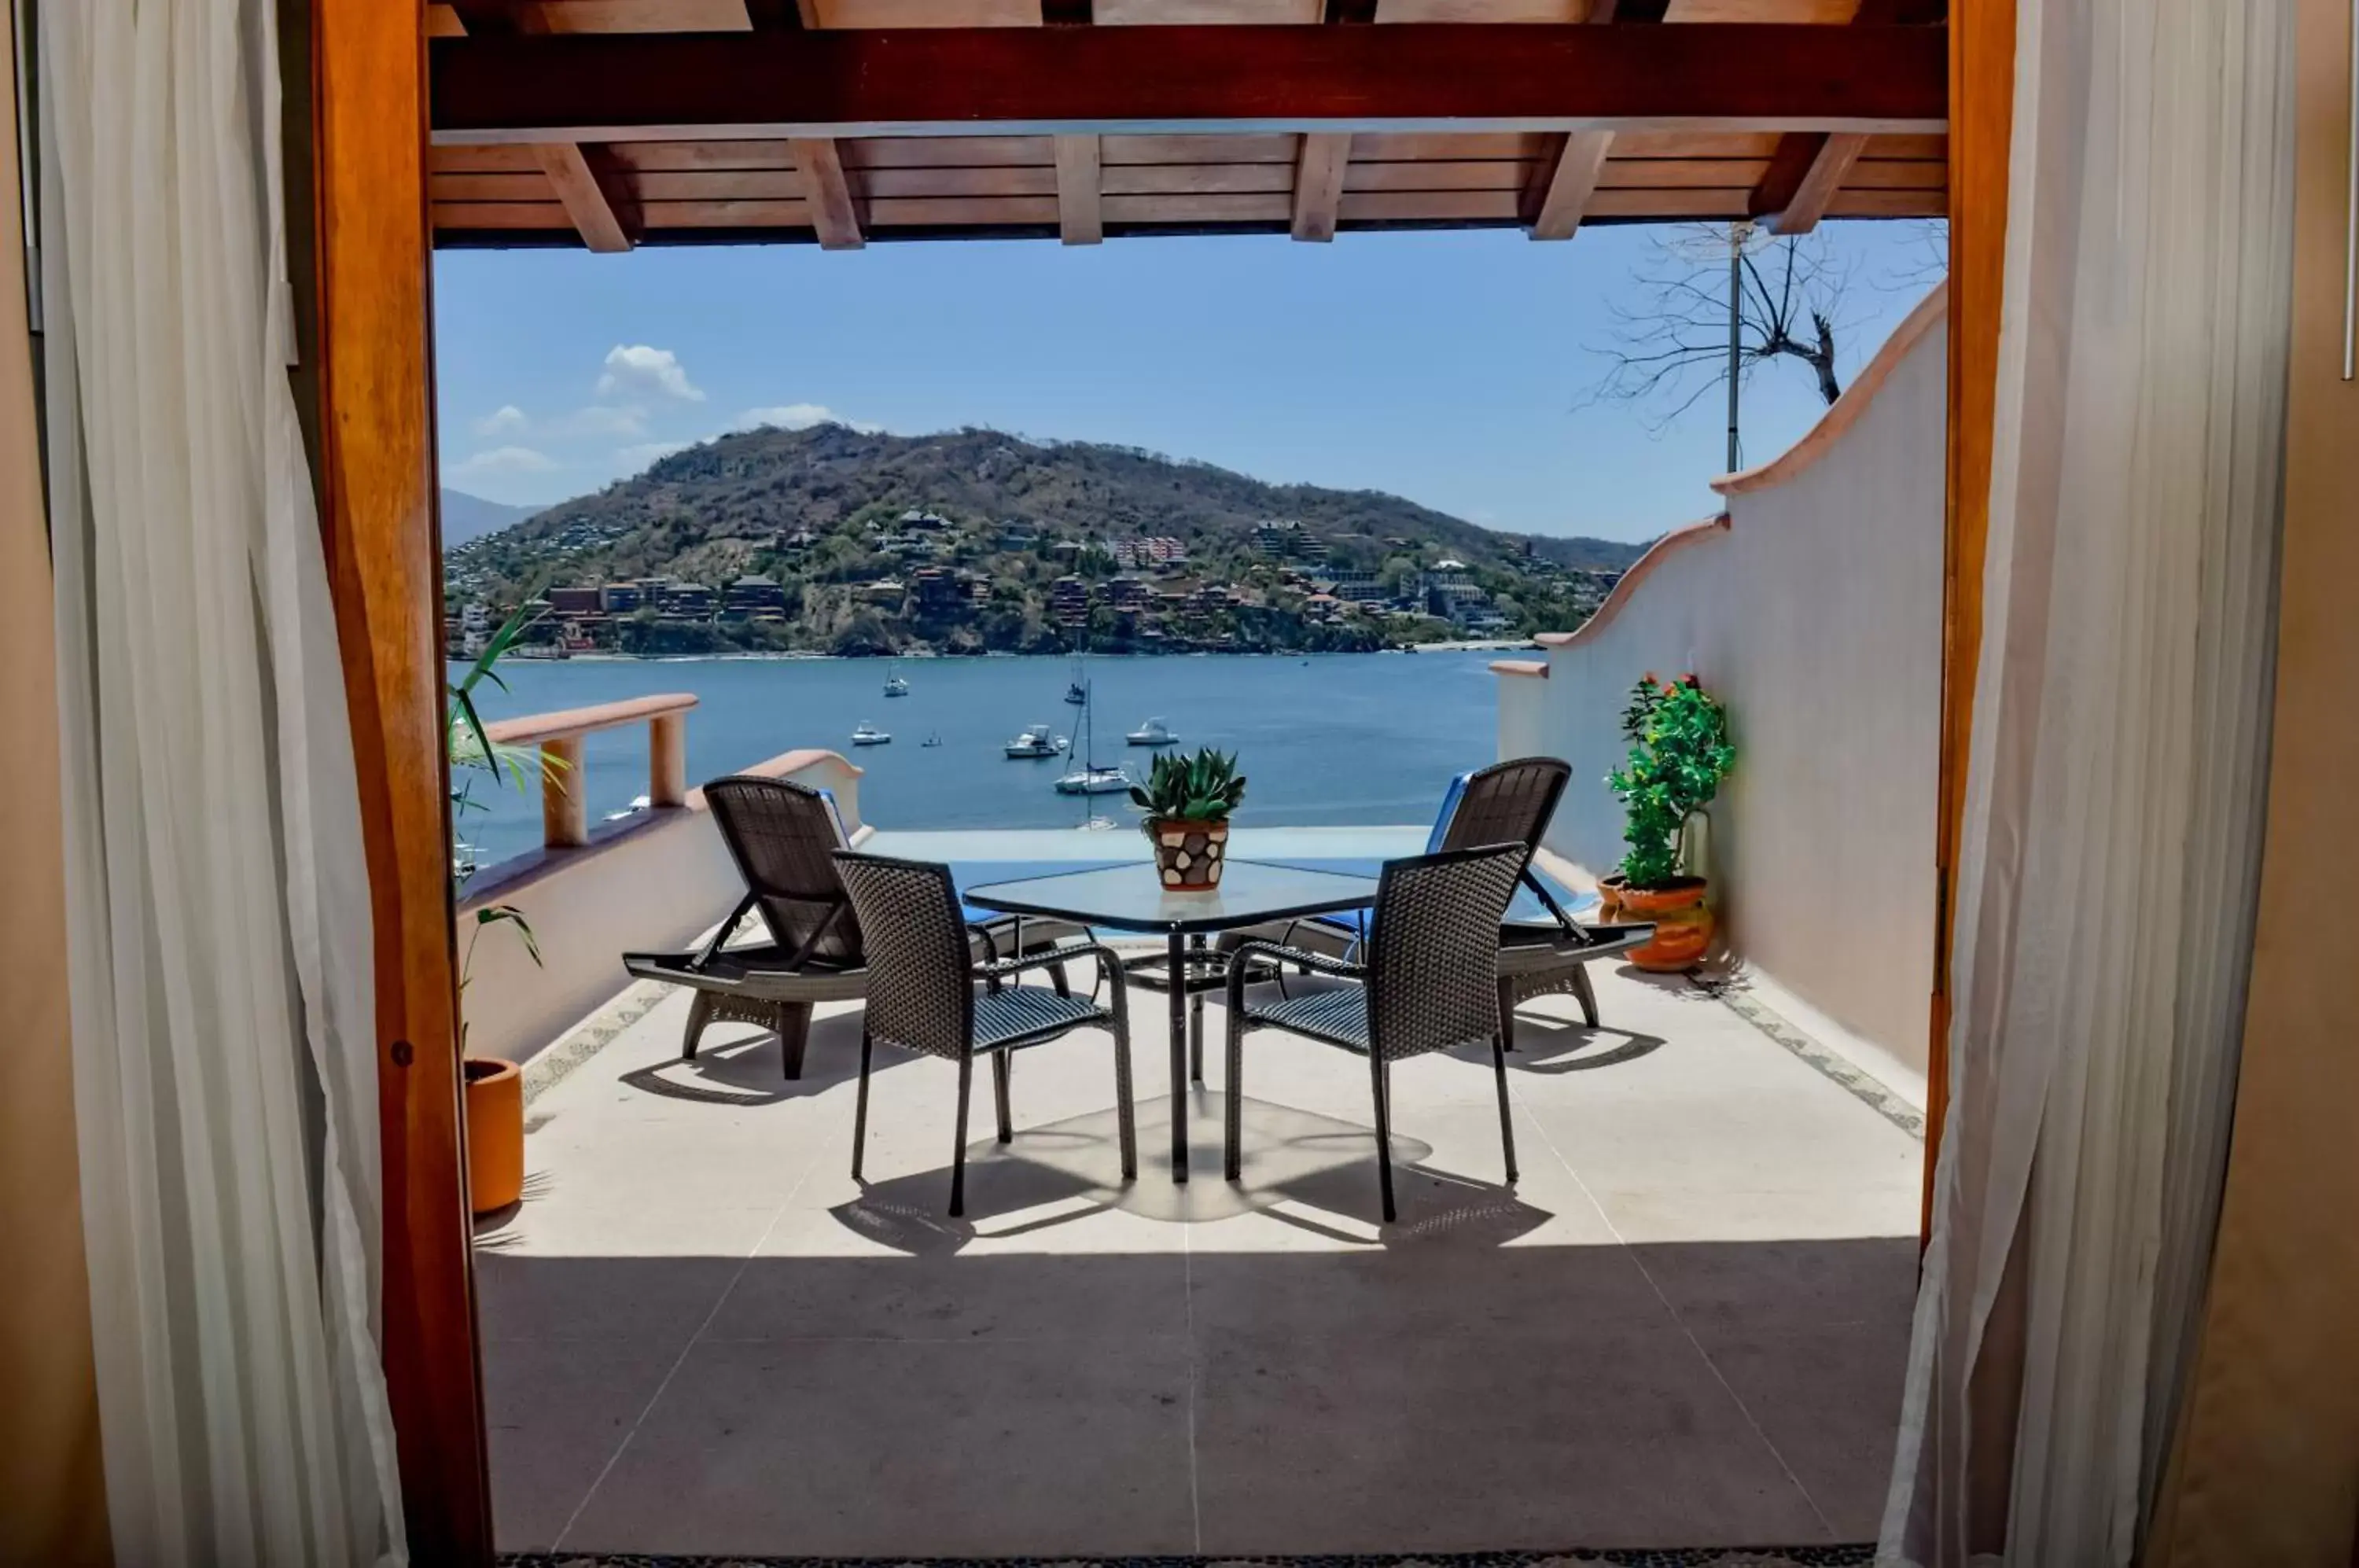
[856, 541]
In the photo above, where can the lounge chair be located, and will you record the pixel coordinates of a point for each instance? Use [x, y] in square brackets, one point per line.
[924, 997]
[1542, 949]
[1428, 985]
[782, 836]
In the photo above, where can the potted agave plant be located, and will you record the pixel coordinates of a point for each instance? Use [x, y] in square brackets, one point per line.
[1188, 800]
[1679, 752]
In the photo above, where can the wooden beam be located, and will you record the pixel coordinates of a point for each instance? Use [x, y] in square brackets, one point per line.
[1453, 77]
[375, 381]
[827, 193]
[1079, 219]
[595, 192]
[1319, 184]
[1805, 176]
[1982, 79]
[1561, 191]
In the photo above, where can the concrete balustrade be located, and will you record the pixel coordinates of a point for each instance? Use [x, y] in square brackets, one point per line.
[564, 808]
[654, 881]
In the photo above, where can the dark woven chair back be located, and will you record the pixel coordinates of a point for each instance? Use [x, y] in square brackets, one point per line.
[1508, 802]
[1433, 957]
[783, 838]
[919, 995]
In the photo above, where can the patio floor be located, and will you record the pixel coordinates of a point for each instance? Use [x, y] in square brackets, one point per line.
[1685, 1327]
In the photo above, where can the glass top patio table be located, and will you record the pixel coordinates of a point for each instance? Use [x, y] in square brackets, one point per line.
[1129, 898]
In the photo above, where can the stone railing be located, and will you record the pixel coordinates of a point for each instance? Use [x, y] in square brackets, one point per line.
[651, 881]
[1813, 607]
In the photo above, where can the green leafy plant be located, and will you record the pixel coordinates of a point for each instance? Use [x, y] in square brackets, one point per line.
[1204, 788]
[1679, 752]
[473, 754]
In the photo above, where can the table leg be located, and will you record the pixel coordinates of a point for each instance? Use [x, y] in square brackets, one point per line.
[1195, 1013]
[1177, 972]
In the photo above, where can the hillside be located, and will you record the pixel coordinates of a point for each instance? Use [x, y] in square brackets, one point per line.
[975, 540]
[466, 516]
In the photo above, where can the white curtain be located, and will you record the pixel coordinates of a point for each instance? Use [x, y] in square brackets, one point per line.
[219, 906]
[2115, 787]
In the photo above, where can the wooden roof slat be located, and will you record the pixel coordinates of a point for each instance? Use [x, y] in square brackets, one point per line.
[1395, 206]
[1204, 13]
[1199, 180]
[594, 192]
[1275, 147]
[502, 215]
[961, 211]
[1211, 207]
[1795, 208]
[983, 180]
[722, 185]
[1897, 174]
[588, 87]
[1695, 143]
[1436, 174]
[1672, 173]
[947, 152]
[1389, 146]
[472, 186]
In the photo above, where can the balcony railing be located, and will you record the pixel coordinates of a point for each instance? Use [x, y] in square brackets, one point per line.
[564, 805]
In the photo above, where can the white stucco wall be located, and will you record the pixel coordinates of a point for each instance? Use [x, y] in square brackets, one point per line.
[1815, 614]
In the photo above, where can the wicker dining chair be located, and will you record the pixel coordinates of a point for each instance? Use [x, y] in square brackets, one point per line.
[927, 994]
[1430, 982]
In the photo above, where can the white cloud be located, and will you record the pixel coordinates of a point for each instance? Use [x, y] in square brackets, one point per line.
[506, 420]
[799, 416]
[639, 456]
[639, 368]
[501, 460]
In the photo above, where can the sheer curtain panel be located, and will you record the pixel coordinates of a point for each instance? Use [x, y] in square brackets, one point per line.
[217, 899]
[2115, 789]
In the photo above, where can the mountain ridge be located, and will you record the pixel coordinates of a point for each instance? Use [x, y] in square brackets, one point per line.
[819, 511]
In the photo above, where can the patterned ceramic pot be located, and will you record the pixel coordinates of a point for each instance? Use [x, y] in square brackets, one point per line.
[1683, 924]
[1189, 855]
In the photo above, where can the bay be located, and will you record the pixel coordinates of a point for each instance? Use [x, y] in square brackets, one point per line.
[1326, 740]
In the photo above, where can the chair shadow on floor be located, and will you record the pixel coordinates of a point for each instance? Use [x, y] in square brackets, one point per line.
[1314, 1173]
[738, 1064]
[1550, 1046]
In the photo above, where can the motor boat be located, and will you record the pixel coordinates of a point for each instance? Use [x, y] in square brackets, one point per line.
[1094, 782]
[1036, 741]
[869, 735]
[1153, 732]
[894, 685]
[932, 740]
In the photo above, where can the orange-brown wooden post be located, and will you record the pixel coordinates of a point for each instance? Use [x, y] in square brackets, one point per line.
[1981, 104]
[667, 760]
[374, 386]
[564, 803]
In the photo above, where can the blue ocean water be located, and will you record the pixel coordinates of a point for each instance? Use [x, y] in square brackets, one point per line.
[1331, 739]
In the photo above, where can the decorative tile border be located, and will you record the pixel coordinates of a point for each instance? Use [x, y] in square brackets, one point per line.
[557, 1061]
[1841, 1070]
[1677, 1557]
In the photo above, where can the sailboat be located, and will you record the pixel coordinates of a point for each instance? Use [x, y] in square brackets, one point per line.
[1089, 778]
[1077, 691]
[894, 685]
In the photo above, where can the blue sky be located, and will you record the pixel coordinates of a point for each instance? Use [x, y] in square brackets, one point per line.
[1451, 368]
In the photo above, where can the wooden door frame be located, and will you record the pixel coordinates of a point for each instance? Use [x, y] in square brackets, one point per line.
[1982, 108]
[375, 386]
[379, 517]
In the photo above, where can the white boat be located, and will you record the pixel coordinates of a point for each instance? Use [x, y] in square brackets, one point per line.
[869, 735]
[1153, 732]
[1036, 741]
[894, 685]
[1094, 782]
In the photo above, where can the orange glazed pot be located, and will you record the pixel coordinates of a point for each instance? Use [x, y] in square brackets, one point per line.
[1683, 924]
[1189, 855]
[1609, 898]
[494, 1134]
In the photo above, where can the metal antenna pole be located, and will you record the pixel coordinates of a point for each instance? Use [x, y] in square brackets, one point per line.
[1738, 233]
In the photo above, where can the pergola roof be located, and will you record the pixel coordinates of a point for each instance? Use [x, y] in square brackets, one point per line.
[614, 122]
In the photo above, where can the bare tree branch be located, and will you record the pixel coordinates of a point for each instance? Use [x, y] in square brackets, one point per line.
[1671, 347]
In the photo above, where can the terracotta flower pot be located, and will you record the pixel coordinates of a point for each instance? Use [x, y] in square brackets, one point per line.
[495, 1133]
[1683, 924]
[1189, 855]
